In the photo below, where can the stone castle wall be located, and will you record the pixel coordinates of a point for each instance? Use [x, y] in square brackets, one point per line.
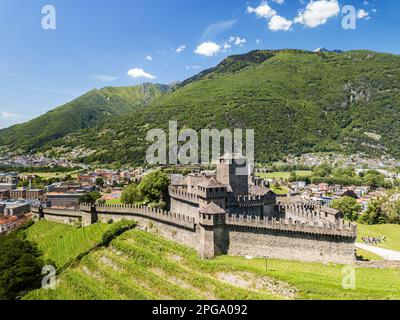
[286, 240]
[233, 235]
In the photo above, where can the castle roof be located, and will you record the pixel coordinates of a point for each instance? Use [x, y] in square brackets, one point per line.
[212, 208]
[211, 183]
[258, 191]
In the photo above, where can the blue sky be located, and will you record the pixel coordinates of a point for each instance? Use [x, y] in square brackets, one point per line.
[127, 42]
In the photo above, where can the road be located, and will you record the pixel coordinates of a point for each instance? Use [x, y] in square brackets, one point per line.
[384, 253]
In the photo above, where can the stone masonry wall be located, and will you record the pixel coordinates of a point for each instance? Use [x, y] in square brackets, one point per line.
[241, 236]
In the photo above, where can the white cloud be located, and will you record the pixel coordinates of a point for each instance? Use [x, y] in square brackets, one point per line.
[180, 48]
[226, 46]
[208, 49]
[258, 41]
[279, 23]
[217, 28]
[149, 58]
[318, 12]
[9, 115]
[192, 67]
[140, 73]
[361, 14]
[262, 11]
[237, 41]
[104, 77]
[279, 1]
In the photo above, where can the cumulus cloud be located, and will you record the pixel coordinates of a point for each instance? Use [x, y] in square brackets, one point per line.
[279, 1]
[262, 11]
[180, 48]
[279, 23]
[237, 41]
[318, 12]
[208, 49]
[149, 58]
[139, 73]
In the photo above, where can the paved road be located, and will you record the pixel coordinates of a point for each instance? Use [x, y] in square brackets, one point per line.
[384, 253]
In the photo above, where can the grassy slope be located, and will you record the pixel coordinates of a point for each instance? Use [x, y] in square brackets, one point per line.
[391, 231]
[80, 113]
[143, 266]
[296, 101]
[62, 243]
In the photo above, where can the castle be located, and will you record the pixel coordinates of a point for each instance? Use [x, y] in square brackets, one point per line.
[228, 212]
[232, 190]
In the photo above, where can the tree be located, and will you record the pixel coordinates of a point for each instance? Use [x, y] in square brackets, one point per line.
[99, 181]
[323, 171]
[351, 194]
[90, 197]
[391, 210]
[374, 179]
[131, 194]
[154, 187]
[374, 214]
[293, 176]
[20, 266]
[348, 206]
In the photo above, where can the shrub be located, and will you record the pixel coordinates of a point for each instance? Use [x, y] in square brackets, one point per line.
[20, 266]
[116, 230]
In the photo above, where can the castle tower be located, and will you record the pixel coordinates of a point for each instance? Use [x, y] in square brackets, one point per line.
[233, 171]
[212, 191]
[214, 237]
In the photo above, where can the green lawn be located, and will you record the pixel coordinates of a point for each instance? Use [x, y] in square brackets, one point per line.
[368, 256]
[284, 175]
[140, 265]
[114, 201]
[62, 243]
[280, 191]
[391, 231]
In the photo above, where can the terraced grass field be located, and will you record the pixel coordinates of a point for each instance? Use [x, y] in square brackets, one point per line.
[140, 265]
[62, 243]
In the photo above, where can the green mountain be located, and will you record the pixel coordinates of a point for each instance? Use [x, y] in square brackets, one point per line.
[296, 101]
[83, 112]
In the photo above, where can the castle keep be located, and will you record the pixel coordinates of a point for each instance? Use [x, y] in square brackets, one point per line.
[226, 212]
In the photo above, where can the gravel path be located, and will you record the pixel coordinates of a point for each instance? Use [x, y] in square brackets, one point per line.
[384, 253]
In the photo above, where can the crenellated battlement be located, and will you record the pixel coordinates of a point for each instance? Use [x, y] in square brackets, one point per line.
[254, 200]
[144, 211]
[311, 227]
[183, 195]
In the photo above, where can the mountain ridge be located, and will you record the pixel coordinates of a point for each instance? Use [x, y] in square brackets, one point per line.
[297, 101]
[83, 112]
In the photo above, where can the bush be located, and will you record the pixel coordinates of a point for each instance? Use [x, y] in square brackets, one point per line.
[116, 230]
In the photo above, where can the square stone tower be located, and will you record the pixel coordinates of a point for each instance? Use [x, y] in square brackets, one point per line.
[233, 171]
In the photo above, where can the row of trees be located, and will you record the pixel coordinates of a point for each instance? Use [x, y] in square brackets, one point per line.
[379, 211]
[346, 177]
